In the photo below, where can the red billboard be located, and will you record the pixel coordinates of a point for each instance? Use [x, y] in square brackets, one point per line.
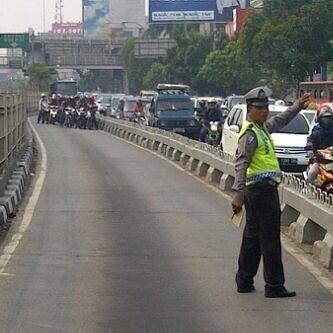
[67, 29]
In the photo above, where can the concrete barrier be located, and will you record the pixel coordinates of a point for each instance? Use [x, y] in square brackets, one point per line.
[16, 150]
[307, 212]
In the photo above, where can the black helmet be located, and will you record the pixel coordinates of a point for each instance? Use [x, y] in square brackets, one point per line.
[325, 117]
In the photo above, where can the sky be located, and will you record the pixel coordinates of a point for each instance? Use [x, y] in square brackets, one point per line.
[19, 15]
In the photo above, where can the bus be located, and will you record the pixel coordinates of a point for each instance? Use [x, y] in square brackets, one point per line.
[321, 91]
[64, 87]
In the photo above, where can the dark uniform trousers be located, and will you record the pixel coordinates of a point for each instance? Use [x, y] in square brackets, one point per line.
[261, 237]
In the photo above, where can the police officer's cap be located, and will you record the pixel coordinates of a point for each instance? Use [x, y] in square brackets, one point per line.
[258, 96]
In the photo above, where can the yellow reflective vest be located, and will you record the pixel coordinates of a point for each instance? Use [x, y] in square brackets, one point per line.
[264, 164]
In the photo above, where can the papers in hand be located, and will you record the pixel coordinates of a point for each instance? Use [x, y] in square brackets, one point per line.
[237, 219]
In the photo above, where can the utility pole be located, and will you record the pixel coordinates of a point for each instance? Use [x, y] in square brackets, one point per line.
[58, 7]
[44, 16]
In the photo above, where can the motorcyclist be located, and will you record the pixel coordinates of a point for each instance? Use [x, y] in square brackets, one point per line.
[321, 107]
[212, 114]
[43, 105]
[120, 109]
[201, 111]
[138, 110]
[321, 138]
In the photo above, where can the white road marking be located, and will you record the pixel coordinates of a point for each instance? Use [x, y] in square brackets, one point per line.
[322, 276]
[29, 211]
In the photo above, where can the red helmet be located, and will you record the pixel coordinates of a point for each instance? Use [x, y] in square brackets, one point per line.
[326, 109]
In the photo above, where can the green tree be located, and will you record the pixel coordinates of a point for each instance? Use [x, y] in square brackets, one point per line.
[40, 77]
[228, 72]
[136, 68]
[155, 75]
[183, 61]
[290, 40]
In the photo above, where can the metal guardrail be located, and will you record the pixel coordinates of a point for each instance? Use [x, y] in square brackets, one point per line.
[32, 101]
[12, 128]
[306, 211]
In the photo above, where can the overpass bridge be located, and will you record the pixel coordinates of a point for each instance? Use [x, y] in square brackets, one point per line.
[76, 53]
[117, 235]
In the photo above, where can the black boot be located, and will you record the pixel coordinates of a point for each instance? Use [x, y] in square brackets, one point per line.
[279, 292]
[242, 288]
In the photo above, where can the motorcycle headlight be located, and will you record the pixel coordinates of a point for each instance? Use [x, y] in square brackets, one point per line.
[213, 127]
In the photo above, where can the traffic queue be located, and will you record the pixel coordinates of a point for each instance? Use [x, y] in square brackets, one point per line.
[304, 147]
[69, 111]
[218, 121]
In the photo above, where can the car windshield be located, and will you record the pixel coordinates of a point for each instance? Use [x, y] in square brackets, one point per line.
[104, 99]
[115, 102]
[298, 125]
[236, 100]
[66, 88]
[310, 115]
[129, 105]
[174, 104]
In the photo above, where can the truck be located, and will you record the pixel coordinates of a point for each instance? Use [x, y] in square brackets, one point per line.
[64, 87]
[172, 109]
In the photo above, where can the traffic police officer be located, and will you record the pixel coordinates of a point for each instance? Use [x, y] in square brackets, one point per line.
[257, 177]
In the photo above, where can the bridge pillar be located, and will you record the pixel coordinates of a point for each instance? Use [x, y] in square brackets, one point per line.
[323, 250]
[202, 169]
[214, 175]
[226, 182]
[192, 164]
[169, 152]
[132, 137]
[155, 145]
[184, 159]
[305, 231]
[176, 155]
[162, 148]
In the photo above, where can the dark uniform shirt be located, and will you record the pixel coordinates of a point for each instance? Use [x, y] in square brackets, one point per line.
[248, 144]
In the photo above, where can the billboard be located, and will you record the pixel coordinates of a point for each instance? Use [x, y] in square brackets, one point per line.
[96, 15]
[67, 29]
[175, 11]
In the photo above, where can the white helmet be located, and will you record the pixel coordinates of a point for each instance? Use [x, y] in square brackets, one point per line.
[43, 95]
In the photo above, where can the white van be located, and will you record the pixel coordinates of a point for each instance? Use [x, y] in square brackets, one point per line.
[289, 142]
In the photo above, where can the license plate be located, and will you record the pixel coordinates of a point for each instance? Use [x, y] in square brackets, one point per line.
[179, 130]
[288, 161]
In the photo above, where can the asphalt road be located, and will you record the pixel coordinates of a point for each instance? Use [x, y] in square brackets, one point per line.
[121, 241]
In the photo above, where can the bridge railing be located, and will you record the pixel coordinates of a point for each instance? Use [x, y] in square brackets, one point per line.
[32, 99]
[12, 130]
[85, 60]
[306, 211]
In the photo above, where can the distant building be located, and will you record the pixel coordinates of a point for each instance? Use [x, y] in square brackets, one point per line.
[128, 14]
[234, 27]
[101, 15]
[67, 29]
